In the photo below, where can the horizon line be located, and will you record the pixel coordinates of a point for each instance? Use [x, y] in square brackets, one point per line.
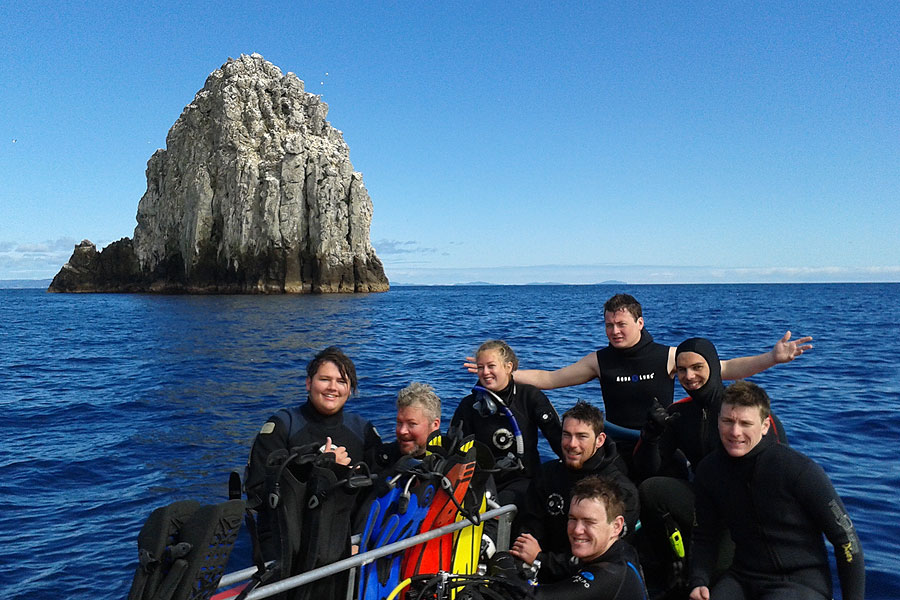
[45, 282]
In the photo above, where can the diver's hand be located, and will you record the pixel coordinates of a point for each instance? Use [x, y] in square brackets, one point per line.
[657, 417]
[701, 592]
[785, 350]
[526, 548]
[470, 365]
[340, 452]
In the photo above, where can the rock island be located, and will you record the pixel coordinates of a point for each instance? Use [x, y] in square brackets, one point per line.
[254, 193]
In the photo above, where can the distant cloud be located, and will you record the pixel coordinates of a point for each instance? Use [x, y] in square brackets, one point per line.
[390, 247]
[49, 247]
[34, 260]
[813, 274]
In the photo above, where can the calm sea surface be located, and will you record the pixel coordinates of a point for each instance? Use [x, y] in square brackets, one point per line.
[116, 404]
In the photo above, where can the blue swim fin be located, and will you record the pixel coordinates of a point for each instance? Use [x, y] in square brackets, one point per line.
[413, 506]
[380, 526]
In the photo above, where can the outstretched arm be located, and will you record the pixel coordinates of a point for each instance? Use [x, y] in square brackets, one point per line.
[784, 351]
[575, 374]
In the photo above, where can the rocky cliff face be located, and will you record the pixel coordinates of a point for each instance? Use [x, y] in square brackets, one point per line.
[254, 192]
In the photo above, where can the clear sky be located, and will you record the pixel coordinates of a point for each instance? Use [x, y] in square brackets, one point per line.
[513, 142]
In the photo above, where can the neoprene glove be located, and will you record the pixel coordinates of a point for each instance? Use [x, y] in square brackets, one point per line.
[657, 417]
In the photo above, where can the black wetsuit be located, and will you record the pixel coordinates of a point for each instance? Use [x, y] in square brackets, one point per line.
[547, 507]
[692, 428]
[295, 427]
[631, 378]
[691, 432]
[694, 432]
[616, 575]
[387, 456]
[532, 411]
[776, 503]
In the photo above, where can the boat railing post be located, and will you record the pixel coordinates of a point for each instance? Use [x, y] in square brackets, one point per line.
[350, 588]
[504, 525]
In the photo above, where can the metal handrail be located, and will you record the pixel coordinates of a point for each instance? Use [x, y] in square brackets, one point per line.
[504, 514]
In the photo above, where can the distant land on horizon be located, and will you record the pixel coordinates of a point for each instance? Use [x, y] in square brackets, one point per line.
[473, 283]
[24, 284]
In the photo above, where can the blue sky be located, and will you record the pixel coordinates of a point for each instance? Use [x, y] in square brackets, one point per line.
[505, 142]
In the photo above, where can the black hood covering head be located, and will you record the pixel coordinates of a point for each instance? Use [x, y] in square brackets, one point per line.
[711, 393]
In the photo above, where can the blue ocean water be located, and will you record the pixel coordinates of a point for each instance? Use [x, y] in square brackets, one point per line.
[116, 404]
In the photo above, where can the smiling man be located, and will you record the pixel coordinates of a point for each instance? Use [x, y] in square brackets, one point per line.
[418, 415]
[602, 566]
[586, 451]
[776, 503]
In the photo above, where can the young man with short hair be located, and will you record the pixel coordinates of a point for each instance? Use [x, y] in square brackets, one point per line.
[586, 451]
[603, 567]
[776, 503]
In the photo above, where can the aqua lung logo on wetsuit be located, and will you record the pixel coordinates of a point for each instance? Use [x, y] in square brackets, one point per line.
[584, 578]
[634, 378]
[555, 504]
[840, 517]
[503, 439]
[844, 522]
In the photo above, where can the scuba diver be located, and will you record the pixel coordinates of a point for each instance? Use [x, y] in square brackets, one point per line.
[673, 442]
[776, 504]
[305, 469]
[599, 565]
[602, 566]
[418, 416]
[505, 416]
[587, 451]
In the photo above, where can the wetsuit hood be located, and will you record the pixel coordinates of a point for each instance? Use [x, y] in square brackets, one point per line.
[710, 393]
[646, 340]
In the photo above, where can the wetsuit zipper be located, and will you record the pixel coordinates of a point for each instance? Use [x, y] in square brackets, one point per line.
[704, 431]
[773, 556]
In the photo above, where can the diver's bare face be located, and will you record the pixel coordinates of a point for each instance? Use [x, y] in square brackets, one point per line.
[579, 442]
[622, 329]
[413, 429]
[590, 532]
[741, 428]
[692, 369]
[328, 389]
[493, 372]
